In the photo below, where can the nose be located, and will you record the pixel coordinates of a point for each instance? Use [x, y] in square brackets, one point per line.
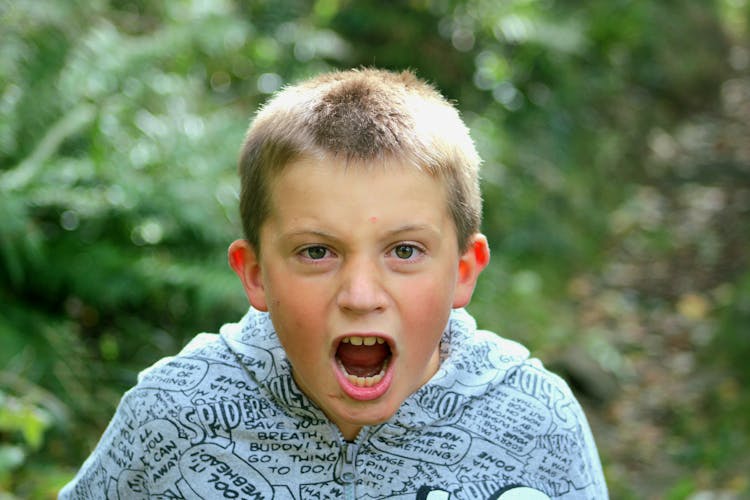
[362, 289]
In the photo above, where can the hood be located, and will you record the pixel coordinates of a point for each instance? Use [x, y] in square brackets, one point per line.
[472, 361]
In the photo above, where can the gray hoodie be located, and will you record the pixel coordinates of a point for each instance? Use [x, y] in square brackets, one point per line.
[225, 419]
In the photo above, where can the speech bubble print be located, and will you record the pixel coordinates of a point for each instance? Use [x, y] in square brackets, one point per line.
[256, 328]
[477, 366]
[437, 445]
[233, 383]
[550, 469]
[322, 490]
[98, 479]
[487, 462]
[133, 484]
[545, 388]
[210, 420]
[215, 472]
[257, 360]
[149, 404]
[260, 364]
[436, 403]
[383, 471]
[552, 463]
[178, 374]
[161, 447]
[513, 422]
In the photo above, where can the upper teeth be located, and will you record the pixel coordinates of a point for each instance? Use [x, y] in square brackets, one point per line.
[357, 340]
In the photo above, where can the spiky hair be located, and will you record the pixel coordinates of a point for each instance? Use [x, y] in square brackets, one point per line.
[369, 117]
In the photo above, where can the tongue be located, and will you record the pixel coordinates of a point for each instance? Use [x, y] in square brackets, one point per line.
[362, 360]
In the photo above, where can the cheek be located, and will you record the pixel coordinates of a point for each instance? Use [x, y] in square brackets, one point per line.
[426, 308]
[297, 308]
[429, 294]
[292, 297]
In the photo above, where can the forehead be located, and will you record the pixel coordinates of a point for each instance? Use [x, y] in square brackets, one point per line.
[335, 188]
[352, 171]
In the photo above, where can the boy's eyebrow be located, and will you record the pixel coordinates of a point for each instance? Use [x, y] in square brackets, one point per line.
[413, 228]
[391, 233]
[308, 232]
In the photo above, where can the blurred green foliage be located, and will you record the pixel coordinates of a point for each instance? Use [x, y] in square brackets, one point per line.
[616, 181]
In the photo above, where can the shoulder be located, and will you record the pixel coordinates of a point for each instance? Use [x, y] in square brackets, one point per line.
[540, 418]
[531, 381]
[188, 366]
[532, 420]
[178, 402]
[529, 414]
[502, 364]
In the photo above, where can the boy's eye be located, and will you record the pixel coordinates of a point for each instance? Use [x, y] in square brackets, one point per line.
[315, 253]
[404, 251]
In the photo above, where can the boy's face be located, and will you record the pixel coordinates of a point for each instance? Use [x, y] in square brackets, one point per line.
[359, 268]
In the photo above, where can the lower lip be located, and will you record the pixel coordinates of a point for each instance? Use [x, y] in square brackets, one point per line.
[364, 393]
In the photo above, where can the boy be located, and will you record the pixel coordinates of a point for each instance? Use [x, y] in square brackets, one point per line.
[356, 373]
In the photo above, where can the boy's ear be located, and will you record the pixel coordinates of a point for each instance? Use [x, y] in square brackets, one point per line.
[244, 260]
[470, 265]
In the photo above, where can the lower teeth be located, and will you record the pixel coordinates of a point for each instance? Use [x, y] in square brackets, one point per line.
[364, 381]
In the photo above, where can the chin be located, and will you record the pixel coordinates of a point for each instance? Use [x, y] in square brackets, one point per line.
[378, 413]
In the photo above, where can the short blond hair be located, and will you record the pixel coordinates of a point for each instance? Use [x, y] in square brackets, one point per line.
[367, 116]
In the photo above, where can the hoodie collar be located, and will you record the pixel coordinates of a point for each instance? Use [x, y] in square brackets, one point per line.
[471, 364]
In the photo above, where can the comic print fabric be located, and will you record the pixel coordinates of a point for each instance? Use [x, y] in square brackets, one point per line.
[225, 419]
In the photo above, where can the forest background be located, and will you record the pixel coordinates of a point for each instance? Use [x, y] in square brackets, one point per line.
[616, 176]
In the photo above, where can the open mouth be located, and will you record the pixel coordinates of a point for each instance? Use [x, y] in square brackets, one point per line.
[363, 362]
